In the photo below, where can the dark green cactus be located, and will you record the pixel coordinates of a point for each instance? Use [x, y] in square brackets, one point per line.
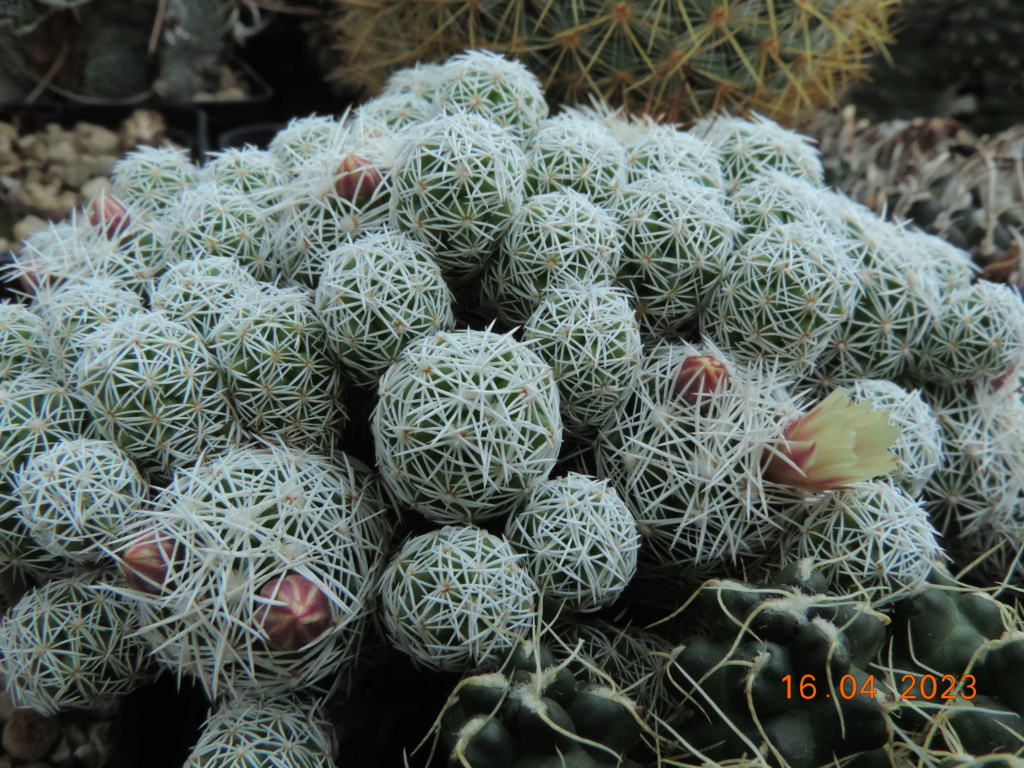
[781, 673]
[955, 658]
[537, 714]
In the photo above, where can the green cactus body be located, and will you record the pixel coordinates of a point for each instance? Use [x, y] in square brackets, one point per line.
[783, 673]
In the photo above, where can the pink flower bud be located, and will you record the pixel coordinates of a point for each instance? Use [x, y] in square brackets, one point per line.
[699, 378]
[145, 563]
[298, 614]
[357, 179]
[108, 214]
[835, 444]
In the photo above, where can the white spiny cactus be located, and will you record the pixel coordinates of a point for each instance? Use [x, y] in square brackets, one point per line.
[282, 731]
[554, 239]
[662, 149]
[376, 295]
[686, 451]
[281, 376]
[422, 79]
[572, 151]
[256, 173]
[36, 413]
[333, 199]
[270, 567]
[151, 177]
[457, 599]
[304, 138]
[677, 237]
[591, 338]
[579, 539]
[978, 335]
[783, 295]
[393, 112]
[457, 178]
[24, 341]
[872, 539]
[212, 220]
[197, 291]
[76, 497]
[154, 389]
[74, 310]
[919, 446]
[70, 644]
[488, 84]
[466, 423]
[751, 147]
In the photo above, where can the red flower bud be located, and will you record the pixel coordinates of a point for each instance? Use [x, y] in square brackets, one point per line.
[699, 378]
[108, 214]
[145, 563]
[298, 614]
[357, 179]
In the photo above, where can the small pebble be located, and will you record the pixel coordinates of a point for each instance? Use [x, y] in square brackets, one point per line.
[29, 735]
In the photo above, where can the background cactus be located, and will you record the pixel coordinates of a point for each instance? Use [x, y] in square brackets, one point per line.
[683, 58]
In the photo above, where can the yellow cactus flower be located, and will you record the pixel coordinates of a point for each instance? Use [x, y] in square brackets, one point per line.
[834, 445]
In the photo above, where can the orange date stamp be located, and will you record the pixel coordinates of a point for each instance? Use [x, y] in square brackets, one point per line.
[927, 687]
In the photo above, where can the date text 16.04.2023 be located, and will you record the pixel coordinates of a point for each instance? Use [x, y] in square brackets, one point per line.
[910, 687]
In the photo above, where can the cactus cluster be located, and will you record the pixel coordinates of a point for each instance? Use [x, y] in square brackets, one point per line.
[468, 374]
